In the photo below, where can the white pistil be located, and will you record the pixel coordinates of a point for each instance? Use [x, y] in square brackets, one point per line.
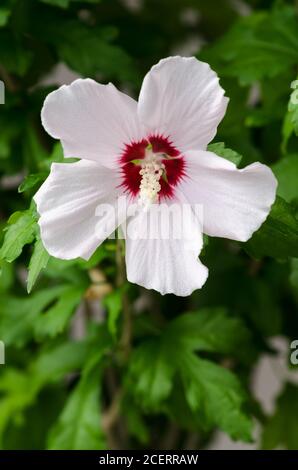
[151, 172]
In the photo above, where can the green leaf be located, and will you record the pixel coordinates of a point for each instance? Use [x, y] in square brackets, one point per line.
[6, 275]
[211, 391]
[56, 361]
[281, 429]
[59, 359]
[290, 122]
[19, 389]
[219, 149]
[56, 156]
[29, 427]
[56, 319]
[113, 303]
[210, 330]
[287, 131]
[11, 123]
[294, 275]
[78, 427]
[31, 181]
[58, 3]
[179, 411]
[4, 16]
[19, 314]
[217, 393]
[38, 262]
[151, 371]
[263, 44]
[14, 57]
[134, 420]
[66, 3]
[19, 232]
[286, 171]
[293, 107]
[88, 50]
[34, 152]
[17, 393]
[278, 236]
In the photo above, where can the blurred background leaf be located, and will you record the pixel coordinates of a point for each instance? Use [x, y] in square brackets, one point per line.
[80, 373]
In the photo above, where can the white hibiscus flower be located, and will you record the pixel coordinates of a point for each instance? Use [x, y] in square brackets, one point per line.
[154, 151]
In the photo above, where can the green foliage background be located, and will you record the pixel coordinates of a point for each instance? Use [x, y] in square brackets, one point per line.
[92, 362]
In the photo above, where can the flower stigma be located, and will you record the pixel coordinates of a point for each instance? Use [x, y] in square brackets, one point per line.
[152, 169]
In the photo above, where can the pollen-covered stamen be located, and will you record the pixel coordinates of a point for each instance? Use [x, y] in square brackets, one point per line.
[151, 171]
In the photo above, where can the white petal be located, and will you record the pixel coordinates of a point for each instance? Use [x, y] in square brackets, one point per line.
[181, 98]
[235, 202]
[67, 202]
[165, 265]
[93, 121]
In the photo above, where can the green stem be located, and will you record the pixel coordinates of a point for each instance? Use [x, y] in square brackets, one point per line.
[126, 337]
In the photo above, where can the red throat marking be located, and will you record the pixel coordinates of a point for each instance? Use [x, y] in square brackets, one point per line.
[130, 169]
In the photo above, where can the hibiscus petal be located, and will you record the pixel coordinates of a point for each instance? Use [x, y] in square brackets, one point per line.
[235, 202]
[93, 121]
[182, 99]
[67, 201]
[165, 264]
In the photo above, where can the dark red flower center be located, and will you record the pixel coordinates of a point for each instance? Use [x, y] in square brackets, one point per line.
[168, 157]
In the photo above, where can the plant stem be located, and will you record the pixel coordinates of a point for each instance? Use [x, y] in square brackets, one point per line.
[111, 415]
[126, 337]
[111, 421]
